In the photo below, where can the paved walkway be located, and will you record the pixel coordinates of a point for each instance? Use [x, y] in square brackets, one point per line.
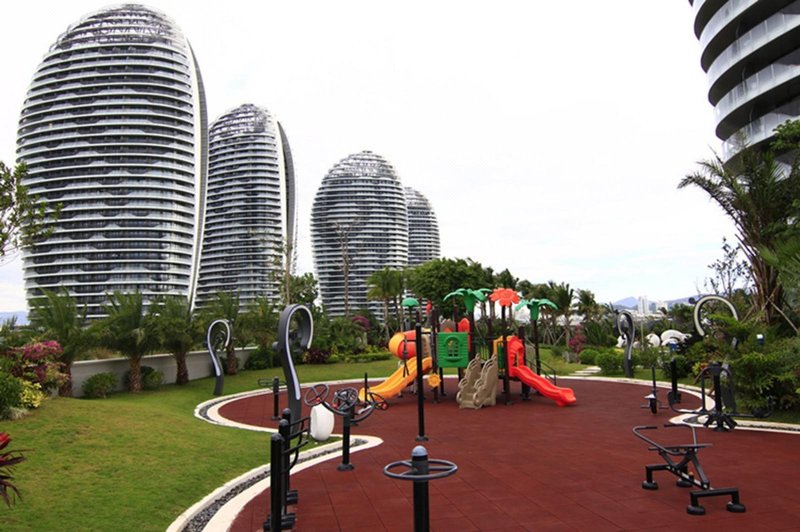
[532, 465]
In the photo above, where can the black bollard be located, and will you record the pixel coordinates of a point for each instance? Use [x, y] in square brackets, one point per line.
[273, 521]
[346, 422]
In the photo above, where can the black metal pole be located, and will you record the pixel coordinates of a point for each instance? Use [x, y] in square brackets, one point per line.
[273, 522]
[346, 465]
[420, 386]
[284, 429]
[506, 381]
[421, 466]
[276, 392]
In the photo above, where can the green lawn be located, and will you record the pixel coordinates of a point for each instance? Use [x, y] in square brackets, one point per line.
[136, 461]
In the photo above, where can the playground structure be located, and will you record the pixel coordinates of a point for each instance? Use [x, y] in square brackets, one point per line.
[478, 386]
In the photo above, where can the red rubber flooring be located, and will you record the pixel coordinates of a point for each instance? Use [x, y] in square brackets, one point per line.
[535, 466]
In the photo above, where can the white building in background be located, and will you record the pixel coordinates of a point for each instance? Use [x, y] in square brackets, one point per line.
[643, 305]
[751, 53]
[250, 213]
[113, 128]
[359, 224]
[423, 229]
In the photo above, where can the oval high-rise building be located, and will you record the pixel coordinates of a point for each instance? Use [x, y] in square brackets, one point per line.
[751, 54]
[359, 224]
[250, 210]
[423, 229]
[114, 129]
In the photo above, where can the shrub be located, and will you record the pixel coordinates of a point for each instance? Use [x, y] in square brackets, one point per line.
[589, 356]
[557, 351]
[683, 367]
[262, 358]
[577, 341]
[317, 356]
[8, 459]
[152, 379]
[609, 362]
[648, 357]
[98, 386]
[368, 356]
[10, 394]
[32, 395]
[762, 375]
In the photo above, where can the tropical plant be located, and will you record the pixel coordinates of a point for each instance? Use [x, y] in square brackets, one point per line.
[564, 297]
[24, 219]
[470, 298]
[55, 315]
[130, 329]
[757, 193]
[260, 323]
[385, 285]
[178, 331]
[534, 307]
[434, 279]
[8, 459]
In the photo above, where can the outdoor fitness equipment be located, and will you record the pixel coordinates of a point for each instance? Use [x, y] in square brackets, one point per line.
[627, 331]
[653, 403]
[421, 469]
[345, 403]
[724, 393]
[295, 330]
[281, 464]
[218, 338]
[678, 459]
[697, 313]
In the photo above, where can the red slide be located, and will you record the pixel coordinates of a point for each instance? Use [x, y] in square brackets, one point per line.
[562, 396]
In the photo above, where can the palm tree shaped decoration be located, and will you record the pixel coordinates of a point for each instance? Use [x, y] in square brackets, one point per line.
[505, 297]
[411, 303]
[534, 306]
[471, 298]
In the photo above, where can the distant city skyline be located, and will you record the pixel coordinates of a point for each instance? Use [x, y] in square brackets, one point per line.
[550, 150]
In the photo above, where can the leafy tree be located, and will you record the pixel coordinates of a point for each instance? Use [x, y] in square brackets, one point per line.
[23, 218]
[57, 316]
[757, 193]
[730, 273]
[178, 331]
[129, 329]
[261, 322]
[434, 279]
[385, 285]
[303, 289]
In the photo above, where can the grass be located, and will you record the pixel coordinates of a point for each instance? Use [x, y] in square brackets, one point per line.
[137, 461]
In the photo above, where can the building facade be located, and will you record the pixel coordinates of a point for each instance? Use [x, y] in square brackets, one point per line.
[751, 54]
[250, 210]
[423, 229]
[359, 224]
[113, 129]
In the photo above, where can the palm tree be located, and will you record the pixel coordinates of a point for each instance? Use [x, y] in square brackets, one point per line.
[563, 296]
[588, 306]
[506, 297]
[178, 331]
[384, 285]
[757, 193]
[131, 330]
[58, 317]
[261, 323]
[534, 307]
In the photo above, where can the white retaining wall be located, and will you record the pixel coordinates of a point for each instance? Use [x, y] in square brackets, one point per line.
[198, 363]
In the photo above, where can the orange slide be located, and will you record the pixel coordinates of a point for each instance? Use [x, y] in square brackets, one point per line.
[562, 396]
[398, 380]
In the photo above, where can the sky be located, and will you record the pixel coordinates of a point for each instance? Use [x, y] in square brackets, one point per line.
[549, 137]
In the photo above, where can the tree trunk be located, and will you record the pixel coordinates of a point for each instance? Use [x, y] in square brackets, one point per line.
[231, 364]
[65, 390]
[182, 375]
[135, 375]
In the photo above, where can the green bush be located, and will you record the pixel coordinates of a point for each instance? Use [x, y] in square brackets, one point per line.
[261, 358]
[648, 357]
[368, 356]
[761, 375]
[98, 386]
[589, 356]
[683, 367]
[152, 379]
[10, 394]
[610, 362]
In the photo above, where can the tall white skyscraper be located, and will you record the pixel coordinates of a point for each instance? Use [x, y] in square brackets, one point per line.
[250, 214]
[423, 229]
[114, 129]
